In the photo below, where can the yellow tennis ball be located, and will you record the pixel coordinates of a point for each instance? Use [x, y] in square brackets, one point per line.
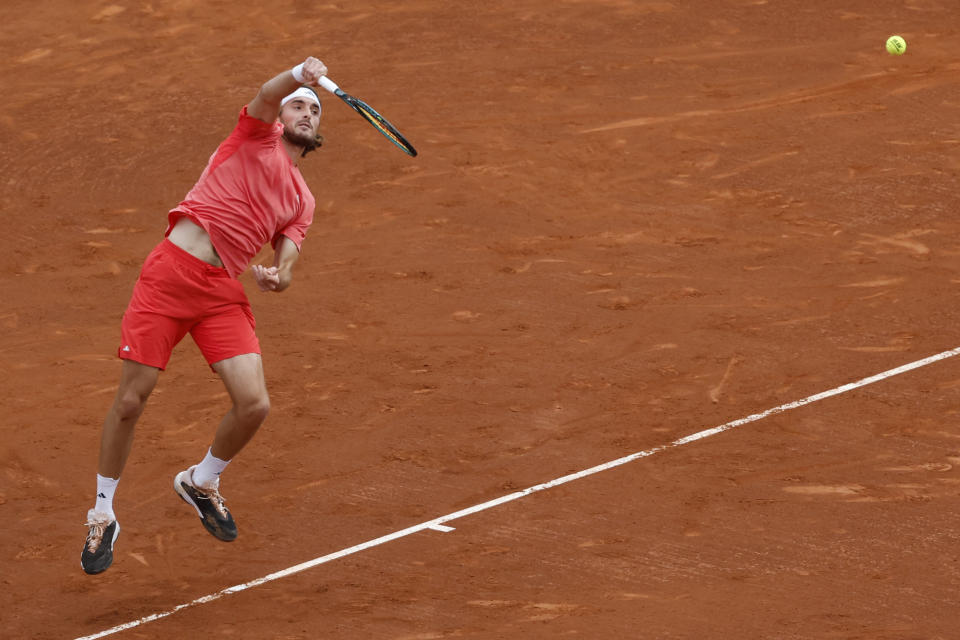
[896, 46]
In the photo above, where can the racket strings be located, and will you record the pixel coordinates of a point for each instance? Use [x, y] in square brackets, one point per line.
[376, 120]
[382, 125]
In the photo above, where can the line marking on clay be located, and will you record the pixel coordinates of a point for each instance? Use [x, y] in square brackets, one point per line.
[437, 524]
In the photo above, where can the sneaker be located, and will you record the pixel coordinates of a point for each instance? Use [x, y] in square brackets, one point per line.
[97, 553]
[209, 505]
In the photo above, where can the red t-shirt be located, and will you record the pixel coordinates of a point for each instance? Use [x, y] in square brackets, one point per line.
[250, 193]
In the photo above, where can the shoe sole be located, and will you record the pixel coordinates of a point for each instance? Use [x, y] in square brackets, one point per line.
[184, 495]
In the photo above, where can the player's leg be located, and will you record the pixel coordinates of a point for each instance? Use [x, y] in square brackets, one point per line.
[199, 486]
[243, 377]
[136, 383]
[229, 343]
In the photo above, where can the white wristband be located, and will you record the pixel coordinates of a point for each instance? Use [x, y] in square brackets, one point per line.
[297, 72]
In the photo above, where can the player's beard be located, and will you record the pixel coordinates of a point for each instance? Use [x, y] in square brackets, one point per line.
[308, 141]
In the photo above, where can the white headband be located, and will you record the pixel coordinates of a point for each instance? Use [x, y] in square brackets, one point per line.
[304, 93]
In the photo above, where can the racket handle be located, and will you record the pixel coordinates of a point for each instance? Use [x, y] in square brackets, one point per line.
[328, 84]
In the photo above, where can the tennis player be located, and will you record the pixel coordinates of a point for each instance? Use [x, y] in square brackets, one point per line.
[250, 193]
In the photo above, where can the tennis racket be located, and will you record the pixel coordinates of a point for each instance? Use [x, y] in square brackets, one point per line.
[369, 114]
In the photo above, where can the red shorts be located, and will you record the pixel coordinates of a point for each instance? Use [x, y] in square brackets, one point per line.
[177, 293]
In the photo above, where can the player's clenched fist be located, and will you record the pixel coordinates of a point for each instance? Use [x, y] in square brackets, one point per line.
[309, 71]
[268, 278]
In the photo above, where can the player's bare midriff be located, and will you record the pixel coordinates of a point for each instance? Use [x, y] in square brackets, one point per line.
[192, 238]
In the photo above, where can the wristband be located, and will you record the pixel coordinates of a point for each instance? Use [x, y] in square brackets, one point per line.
[297, 72]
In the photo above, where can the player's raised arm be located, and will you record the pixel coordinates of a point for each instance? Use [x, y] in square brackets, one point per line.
[266, 105]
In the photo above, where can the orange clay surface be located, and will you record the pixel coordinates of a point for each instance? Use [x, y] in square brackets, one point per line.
[629, 221]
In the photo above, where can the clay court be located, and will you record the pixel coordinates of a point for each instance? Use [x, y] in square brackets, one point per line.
[629, 222]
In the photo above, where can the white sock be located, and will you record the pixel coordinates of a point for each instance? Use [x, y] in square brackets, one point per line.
[208, 471]
[106, 487]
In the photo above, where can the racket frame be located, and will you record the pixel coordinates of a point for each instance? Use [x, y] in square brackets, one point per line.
[371, 115]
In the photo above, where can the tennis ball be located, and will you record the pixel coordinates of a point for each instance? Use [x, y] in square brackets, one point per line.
[896, 46]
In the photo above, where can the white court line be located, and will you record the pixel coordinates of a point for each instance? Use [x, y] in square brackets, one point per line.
[437, 523]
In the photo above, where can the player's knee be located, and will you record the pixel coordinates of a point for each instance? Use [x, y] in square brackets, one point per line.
[129, 405]
[255, 410]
